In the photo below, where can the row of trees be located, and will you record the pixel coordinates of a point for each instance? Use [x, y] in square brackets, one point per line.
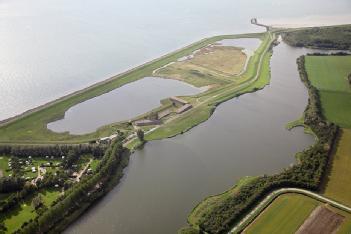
[80, 194]
[11, 184]
[306, 174]
[22, 151]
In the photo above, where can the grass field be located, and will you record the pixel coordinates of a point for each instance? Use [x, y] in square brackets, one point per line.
[207, 66]
[329, 75]
[284, 215]
[4, 167]
[338, 179]
[288, 212]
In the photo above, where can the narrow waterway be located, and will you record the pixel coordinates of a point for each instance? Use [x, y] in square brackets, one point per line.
[245, 136]
[120, 104]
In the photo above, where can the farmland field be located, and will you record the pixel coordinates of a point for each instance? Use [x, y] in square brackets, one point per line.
[340, 171]
[321, 220]
[288, 212]
[284, 215]
[329, 75]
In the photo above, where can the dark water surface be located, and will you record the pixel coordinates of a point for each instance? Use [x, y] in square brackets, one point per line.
[245, 136]
[124, 103]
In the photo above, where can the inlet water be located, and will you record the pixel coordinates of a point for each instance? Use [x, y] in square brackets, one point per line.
[124, 103]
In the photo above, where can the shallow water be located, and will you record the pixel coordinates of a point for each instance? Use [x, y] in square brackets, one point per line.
[124, 103]
[52, 48]
[245, 136]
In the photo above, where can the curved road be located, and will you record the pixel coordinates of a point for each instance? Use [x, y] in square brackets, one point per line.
[263, 204]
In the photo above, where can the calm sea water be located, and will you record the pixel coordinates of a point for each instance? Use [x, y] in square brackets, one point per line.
[51, 48]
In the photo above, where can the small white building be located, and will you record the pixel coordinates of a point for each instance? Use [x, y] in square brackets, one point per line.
[106, 140]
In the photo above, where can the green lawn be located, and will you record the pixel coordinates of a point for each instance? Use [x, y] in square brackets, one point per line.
[329, 75]
[94, 164]
[337, 107]
[4, 160]
[284, 215]
[338, 179]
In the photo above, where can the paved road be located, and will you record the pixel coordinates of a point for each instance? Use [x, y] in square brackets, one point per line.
[255, 212]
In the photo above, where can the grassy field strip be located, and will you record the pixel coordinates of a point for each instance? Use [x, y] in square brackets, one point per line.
[329, 74]
[285, 215]
[269, 198]
[339, 173]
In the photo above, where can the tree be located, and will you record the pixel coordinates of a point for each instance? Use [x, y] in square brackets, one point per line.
[16, 166]
[37, 202]
[10, 184]
[140, 134]
[72, 156]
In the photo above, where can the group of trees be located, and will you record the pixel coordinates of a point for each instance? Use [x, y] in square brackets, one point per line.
[11, 184]
[22, 151]
[15, 198]
[321, 37]
[307, 173]
[71, 157]
[81, 194]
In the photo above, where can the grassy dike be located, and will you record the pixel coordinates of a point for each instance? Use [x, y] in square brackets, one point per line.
[30, 127]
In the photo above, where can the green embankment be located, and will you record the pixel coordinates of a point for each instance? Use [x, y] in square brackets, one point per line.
[194, 219]
[329, 75]
[31, 127]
